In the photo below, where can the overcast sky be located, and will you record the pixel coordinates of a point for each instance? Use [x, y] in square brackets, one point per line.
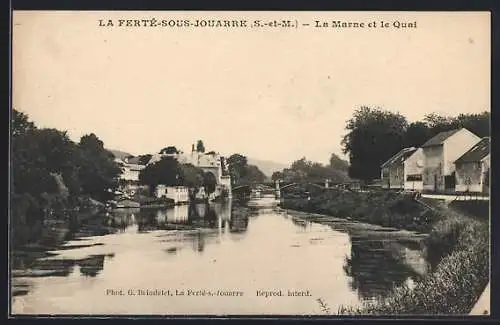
[269, 94]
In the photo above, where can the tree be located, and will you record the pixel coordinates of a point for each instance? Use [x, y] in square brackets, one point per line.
[254, 175]
[306, 170]
[36, 155]
[337, 163]
[439, 122]
[480, 124]
[209, 182]
[417, 133]
[98, 171]
[191, 176]
[166, 171]
[373, 136]
[237, 166]
[302, 165]
[200, 147]
[169, 150]
[277, 176]
[20, 124]
[92, 143]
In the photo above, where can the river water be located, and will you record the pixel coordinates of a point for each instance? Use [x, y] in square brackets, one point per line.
[221, 259]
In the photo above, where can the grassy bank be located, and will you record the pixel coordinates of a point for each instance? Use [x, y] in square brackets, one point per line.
[458, 246]
[455, 285]
[383, 208]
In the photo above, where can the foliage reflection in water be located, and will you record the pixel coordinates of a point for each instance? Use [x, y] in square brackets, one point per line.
[219, 246]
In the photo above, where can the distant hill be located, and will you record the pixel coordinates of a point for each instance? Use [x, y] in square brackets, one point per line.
[266, 166]
[120, 154]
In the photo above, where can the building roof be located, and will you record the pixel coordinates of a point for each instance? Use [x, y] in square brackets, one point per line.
[439, 138]
[476, 153]
[401, 156]
[195, 158]
[134, 160]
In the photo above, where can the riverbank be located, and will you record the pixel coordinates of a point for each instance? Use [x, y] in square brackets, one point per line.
[387, 209]
[458, 245]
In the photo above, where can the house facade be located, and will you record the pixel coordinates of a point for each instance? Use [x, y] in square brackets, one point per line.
[472, 169]
[393, 170]
[131, 169]
[209, 162]
[413, 170]
[179, 194]
[440, 153]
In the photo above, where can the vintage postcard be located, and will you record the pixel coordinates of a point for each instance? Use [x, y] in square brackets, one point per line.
[250, 163]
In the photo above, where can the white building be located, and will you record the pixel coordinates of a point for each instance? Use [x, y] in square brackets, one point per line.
[473, 169]
[440, 153]
[179, 194]
[413, 169]
[209, 162]
[393, 171]
[130, 168]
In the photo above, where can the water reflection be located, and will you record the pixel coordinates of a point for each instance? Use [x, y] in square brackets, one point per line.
[223, 244]
[375, 268]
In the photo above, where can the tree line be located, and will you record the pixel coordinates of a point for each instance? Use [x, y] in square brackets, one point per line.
[304, 169]
[374, 135]
[51, 175]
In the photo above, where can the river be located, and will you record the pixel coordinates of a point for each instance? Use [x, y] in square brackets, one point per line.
[214, 259]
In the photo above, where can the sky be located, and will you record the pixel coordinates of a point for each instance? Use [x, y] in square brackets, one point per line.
[271, 93]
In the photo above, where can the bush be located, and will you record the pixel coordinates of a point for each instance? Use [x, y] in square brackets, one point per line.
[454, 286]
[383, 208]
[457, 248]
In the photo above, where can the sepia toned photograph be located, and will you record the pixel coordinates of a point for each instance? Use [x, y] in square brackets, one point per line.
[239, 163]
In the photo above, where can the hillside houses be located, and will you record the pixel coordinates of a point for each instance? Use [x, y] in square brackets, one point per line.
[451, 161]
[210, 163]
[131, 168]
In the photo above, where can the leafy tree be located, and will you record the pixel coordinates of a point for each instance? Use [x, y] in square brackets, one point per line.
[306, 170]
[302, 165]
[440, 123]
[166, 171]
[277, 176]
[337, 163]
[98, 171]
[36, 155]
[417, 133]
[253, 175]
[237, 166]
[20, 124]
[200, 147]
[169, 150]
[209, 182]
[50, 174]
[191, 176]
[480, 124]
[373, 136]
